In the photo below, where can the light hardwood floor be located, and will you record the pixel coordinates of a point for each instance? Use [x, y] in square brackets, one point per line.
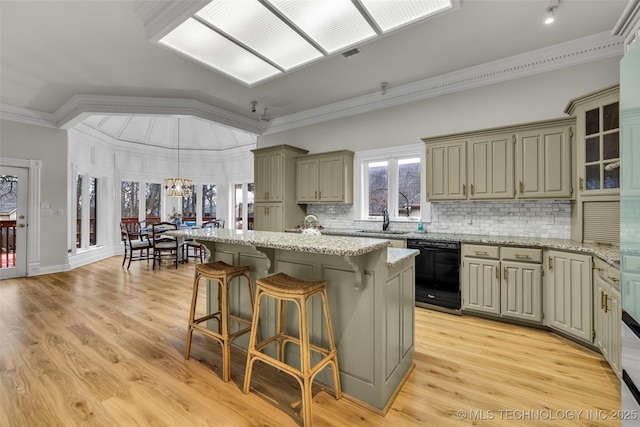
[103, 346]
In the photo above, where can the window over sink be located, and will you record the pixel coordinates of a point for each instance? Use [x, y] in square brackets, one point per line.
[390, 178]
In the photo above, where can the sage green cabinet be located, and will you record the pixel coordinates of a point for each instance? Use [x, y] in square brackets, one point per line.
[446, 171]
[607, 313]
[491, 167]
[274, 188]
[543, 163]
[268, 217]
[528, 161]
[325, 177]
[569, 292]
[521, 288]
[503, 281]
[481, 279]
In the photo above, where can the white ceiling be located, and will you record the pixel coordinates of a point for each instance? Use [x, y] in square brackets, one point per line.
[52, 50]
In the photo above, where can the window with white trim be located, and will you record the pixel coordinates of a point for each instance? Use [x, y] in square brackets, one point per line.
[391, 178]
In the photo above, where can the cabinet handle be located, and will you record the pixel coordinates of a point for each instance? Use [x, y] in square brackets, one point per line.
[521, 187]
[521, 256]
[316, 196]
[497, 272]
[598, 269]
[464, 189]
[472, 190]
[504, 273]
[319, 194]
[580, 184]
[606, 303]
[481, 253]
[550, 264]
[602, 298]
[613, 279]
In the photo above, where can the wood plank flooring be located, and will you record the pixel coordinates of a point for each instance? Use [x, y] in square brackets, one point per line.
[103, 346]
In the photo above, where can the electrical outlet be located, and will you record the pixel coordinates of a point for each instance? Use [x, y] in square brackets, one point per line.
[467, 219]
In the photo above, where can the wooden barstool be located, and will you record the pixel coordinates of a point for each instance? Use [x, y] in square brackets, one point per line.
[286, 288]
[222, 273]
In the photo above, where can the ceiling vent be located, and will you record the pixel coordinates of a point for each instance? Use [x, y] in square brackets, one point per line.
[351, 52]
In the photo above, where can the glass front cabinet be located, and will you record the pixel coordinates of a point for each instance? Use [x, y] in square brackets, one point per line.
[596, 209]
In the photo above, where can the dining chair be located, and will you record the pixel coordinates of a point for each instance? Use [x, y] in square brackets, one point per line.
[134, 242]
[165, 247]
[193, 249]
[214, 223]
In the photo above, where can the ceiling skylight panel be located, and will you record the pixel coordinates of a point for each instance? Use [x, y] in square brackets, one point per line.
[206, 46]
[253, 25]
[333, 24]
[391, 14]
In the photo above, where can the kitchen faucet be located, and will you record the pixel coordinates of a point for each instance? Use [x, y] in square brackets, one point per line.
[406, 204]
[385, 219]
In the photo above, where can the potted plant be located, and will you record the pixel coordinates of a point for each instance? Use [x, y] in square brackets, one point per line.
[177, 218]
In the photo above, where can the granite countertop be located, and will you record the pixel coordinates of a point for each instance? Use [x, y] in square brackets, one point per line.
[397, 255]
[609, 254]
[320, 244]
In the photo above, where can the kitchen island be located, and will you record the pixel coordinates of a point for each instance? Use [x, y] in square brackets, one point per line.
[371, 294]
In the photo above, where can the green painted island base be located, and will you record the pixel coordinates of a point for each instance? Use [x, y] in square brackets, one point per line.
[371, 303]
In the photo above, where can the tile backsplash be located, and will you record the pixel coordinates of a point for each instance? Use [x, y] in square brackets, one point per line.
[535, 218]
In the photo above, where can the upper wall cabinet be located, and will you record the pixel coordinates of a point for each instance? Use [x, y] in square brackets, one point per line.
[529, 161]
[543, 162]
[271, 168]
[491, 167]
[447, 171]
[598, 142]
[325, 178]
[596, 213]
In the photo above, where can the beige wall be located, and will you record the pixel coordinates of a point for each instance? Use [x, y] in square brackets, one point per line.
[539, 97]
[23, 141]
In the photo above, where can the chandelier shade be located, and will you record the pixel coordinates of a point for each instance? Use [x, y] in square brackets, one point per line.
[178, 187]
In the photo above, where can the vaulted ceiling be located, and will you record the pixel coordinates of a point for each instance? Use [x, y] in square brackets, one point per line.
[52, 50]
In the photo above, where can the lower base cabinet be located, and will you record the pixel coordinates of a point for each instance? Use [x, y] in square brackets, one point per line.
[503, 281]
[607, 314]
[568, 293]
[575, 294]
[521, 291]
[481, 279]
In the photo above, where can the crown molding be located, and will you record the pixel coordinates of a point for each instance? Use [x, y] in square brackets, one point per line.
[628, 25]
[576, 52]
[24, 115]
[80, 106]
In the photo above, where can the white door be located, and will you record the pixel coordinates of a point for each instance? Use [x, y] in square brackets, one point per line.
[14, 185]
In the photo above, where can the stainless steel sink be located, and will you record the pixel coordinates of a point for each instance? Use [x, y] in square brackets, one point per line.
[382, 231]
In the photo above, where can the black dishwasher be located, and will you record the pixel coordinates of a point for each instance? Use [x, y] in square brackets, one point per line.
[437, 274]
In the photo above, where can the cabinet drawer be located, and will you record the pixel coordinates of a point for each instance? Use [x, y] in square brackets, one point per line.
[522, 254]
[606, 272]
[481, 251]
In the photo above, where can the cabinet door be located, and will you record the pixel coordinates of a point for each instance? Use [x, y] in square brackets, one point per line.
[569, 289]
[600, 324]
[491, 167]
[614, 319]
[446, 170]
[331, 181]
[307, 183]
[521, 291]
[268, 217]
[275, 177]
[543, 163]
[481, 285]
[261, 177]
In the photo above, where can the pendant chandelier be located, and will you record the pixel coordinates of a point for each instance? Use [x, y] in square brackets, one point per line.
[178, 187]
